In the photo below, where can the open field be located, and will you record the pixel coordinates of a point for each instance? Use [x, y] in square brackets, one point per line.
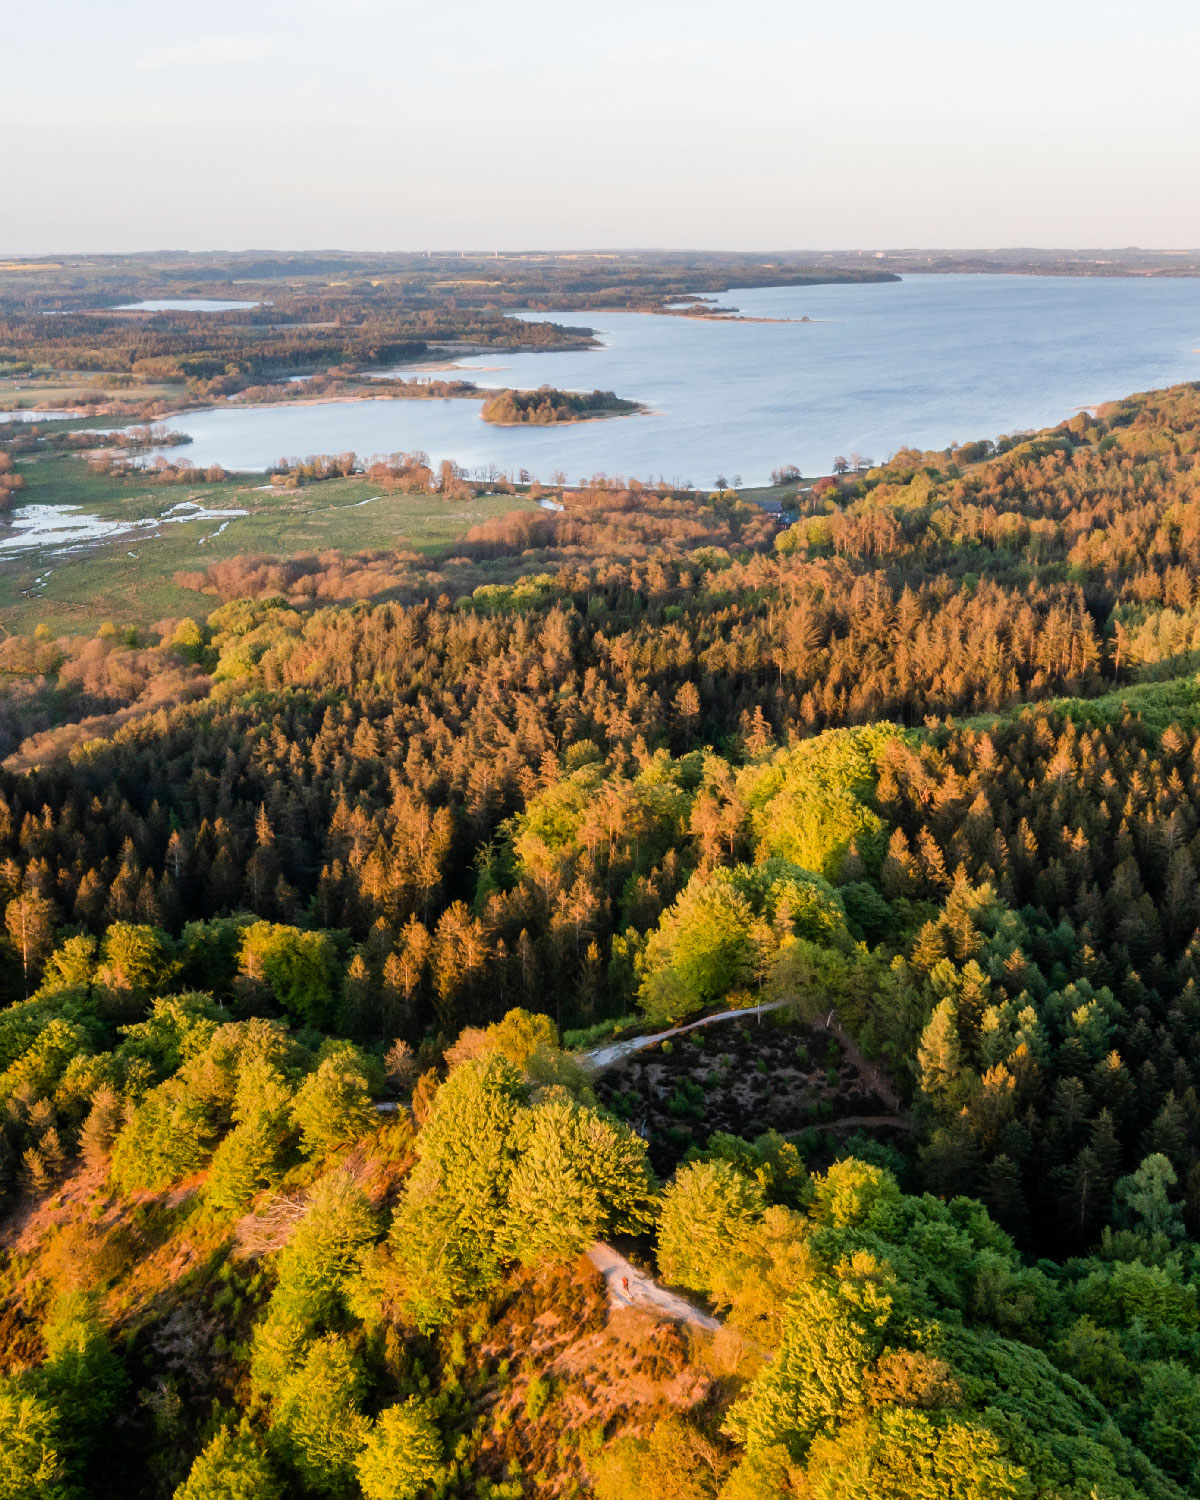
[770, 495]
[64, 388]
[129, 577]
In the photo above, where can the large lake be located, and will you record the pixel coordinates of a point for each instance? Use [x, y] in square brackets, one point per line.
[925, 361]
[182, 304]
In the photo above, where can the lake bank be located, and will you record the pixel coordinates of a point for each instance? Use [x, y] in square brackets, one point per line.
[927, 361]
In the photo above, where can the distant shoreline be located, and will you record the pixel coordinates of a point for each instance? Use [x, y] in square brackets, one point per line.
[481, 395]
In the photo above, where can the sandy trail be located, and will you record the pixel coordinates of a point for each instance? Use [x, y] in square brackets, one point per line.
[873, 1076]
[604, 1057]
[629, 1287]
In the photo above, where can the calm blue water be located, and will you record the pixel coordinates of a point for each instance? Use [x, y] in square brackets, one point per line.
[183, 304]
[926, 361]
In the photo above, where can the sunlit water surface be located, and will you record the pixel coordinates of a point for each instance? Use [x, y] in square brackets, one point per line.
[183, 304]
[925, 361]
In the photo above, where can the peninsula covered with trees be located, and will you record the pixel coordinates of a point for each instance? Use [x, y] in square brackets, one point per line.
[331, 905]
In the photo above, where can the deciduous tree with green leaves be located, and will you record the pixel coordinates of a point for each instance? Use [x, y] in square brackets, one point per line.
[579, 1176]
[232, 1467]
[402, 1453]
[299, 969]
[706, 1209]
[31, 1463]
[332, 1107]
[318, 1426]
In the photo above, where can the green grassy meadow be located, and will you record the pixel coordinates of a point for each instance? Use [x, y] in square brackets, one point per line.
[66, 388]
[1158, 703]
[129, 578]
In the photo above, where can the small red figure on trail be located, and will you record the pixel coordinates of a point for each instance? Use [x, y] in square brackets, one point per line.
[625, 1284]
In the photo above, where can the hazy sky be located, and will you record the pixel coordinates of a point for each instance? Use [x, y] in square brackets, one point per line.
[550, 123]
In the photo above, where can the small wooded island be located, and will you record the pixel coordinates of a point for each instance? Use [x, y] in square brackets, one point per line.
[546, 406]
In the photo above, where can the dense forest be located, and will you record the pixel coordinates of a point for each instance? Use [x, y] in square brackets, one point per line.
[327, 911]
[547, 405]
[217, 354]
[637, 279]
[335, 316]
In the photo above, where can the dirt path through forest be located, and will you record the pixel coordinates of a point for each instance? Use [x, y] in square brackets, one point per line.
[629, 1287]
[604, 1057]
[867, 1071]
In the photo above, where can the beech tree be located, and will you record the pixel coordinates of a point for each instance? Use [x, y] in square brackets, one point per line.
[318, 1425]
[579, 1177]
[446, 1231]
[725, 929]
[231, 1467]
[402, 1453]
[169, 1134]
[705, 1210]
[247, 1160]
[30, 1460]
[296, 967]
[332, 1107]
